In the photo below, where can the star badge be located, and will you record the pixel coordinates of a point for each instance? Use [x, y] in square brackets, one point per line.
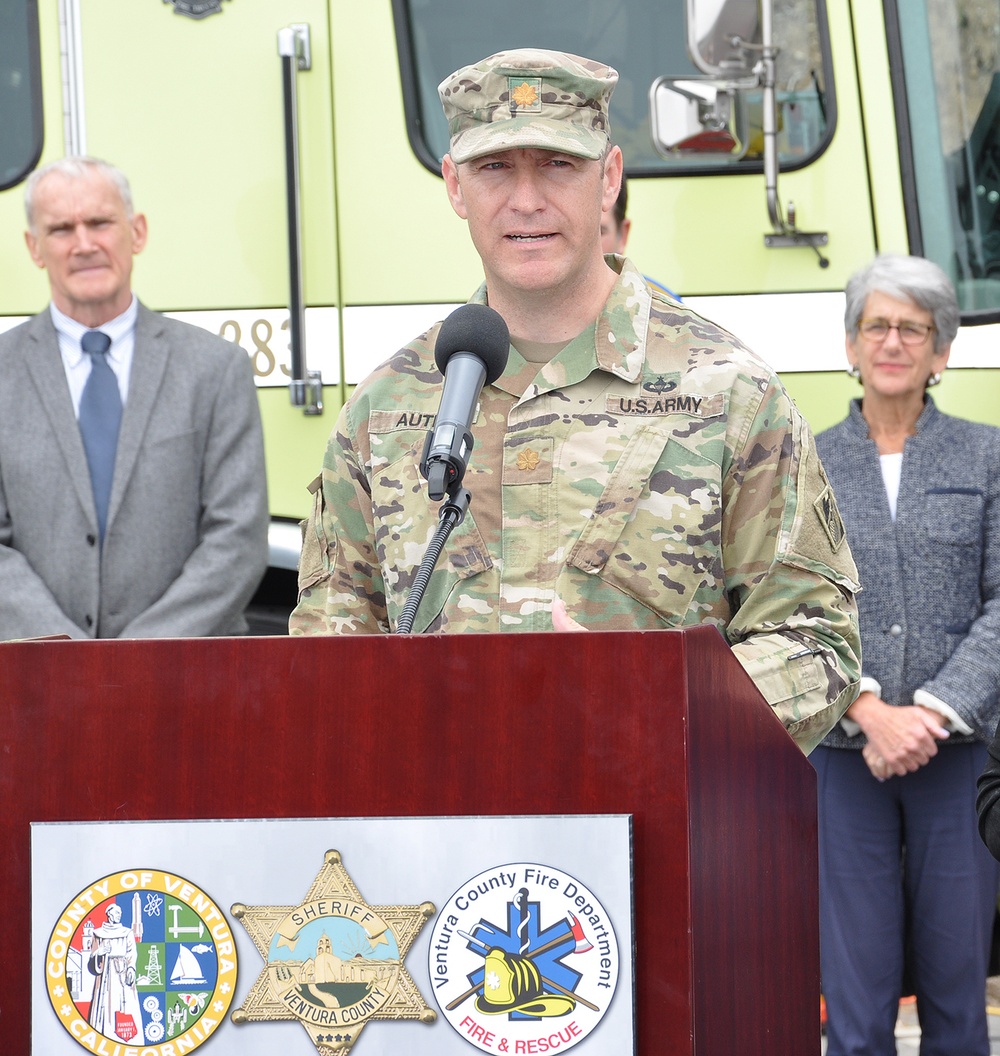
[333, 962]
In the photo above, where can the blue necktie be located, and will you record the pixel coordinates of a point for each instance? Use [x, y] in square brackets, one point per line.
[100, 417]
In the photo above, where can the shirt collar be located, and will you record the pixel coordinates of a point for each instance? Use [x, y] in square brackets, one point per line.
[72, 331]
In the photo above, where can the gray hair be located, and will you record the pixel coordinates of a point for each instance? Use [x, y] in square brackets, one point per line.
[908, 279]
[74, 168]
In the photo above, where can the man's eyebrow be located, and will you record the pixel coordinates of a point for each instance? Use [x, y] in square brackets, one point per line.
[95, 218]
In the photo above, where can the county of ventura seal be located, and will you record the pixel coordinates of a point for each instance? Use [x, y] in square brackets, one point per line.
[523, 959]
[141, 961]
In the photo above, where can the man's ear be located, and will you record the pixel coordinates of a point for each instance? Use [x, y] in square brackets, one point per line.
[623, 234]
[449, 170]
[613, 167]
[32, 243]
[140, 232]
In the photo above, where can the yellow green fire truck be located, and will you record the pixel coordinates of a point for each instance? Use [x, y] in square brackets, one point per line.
[287, 155]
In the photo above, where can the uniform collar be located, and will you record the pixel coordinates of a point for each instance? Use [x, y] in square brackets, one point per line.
[616, 345]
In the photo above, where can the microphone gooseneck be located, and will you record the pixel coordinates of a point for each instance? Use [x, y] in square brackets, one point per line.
[471, 351]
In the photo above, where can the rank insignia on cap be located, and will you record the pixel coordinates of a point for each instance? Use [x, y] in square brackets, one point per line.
[525, 94]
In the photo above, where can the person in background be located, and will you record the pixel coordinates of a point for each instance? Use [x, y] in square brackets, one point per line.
[615, 227]
[988, 799]
[903, 874]
[133, 502]
[635, 466]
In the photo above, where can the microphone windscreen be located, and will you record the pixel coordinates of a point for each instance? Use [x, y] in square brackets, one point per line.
[478, 329]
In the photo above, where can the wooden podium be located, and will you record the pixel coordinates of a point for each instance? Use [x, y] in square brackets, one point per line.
[662, 725]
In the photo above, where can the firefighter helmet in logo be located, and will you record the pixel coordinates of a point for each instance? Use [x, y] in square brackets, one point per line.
[523, 958]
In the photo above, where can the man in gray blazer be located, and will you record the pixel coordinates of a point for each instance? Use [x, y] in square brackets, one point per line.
[132, 503]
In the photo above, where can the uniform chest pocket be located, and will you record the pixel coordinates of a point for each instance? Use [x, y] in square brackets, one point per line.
[656, 531]
[405, 521]
[953, 516]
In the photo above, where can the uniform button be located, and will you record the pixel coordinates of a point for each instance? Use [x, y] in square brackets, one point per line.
[89, 620]
[92, 540]
[895, 630]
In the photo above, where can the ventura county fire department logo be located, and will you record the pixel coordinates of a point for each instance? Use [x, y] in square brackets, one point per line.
[523, 958]
[334, 962]
[143, 958]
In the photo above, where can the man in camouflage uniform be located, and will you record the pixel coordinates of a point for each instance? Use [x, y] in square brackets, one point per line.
[634, 464]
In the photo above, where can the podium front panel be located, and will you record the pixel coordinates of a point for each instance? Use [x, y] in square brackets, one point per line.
[384, 727]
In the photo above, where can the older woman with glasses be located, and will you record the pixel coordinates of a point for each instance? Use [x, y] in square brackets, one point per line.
[904, 876]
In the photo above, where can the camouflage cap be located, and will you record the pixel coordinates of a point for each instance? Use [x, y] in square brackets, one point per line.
[529, 98]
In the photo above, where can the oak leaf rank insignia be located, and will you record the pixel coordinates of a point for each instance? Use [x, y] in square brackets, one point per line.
[525, 94]
[528, 460]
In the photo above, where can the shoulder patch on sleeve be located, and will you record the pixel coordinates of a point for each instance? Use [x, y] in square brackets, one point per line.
[829, 517]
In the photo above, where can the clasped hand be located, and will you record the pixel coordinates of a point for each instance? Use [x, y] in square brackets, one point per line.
[900, 739]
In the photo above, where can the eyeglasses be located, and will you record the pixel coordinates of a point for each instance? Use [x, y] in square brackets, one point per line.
[909, 333]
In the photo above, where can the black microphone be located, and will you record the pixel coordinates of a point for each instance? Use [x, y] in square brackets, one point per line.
[471, 352]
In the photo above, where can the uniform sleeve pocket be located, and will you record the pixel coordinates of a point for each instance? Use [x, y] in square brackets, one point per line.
[315, 560]
[781, 678]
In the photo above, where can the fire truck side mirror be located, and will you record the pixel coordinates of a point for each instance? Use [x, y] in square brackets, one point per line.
[724, 39]
[698, 119]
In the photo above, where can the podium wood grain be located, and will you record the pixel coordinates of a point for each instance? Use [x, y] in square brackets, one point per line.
[661, 725]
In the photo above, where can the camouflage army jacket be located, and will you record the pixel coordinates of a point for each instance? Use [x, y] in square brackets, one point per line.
[654, 474]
